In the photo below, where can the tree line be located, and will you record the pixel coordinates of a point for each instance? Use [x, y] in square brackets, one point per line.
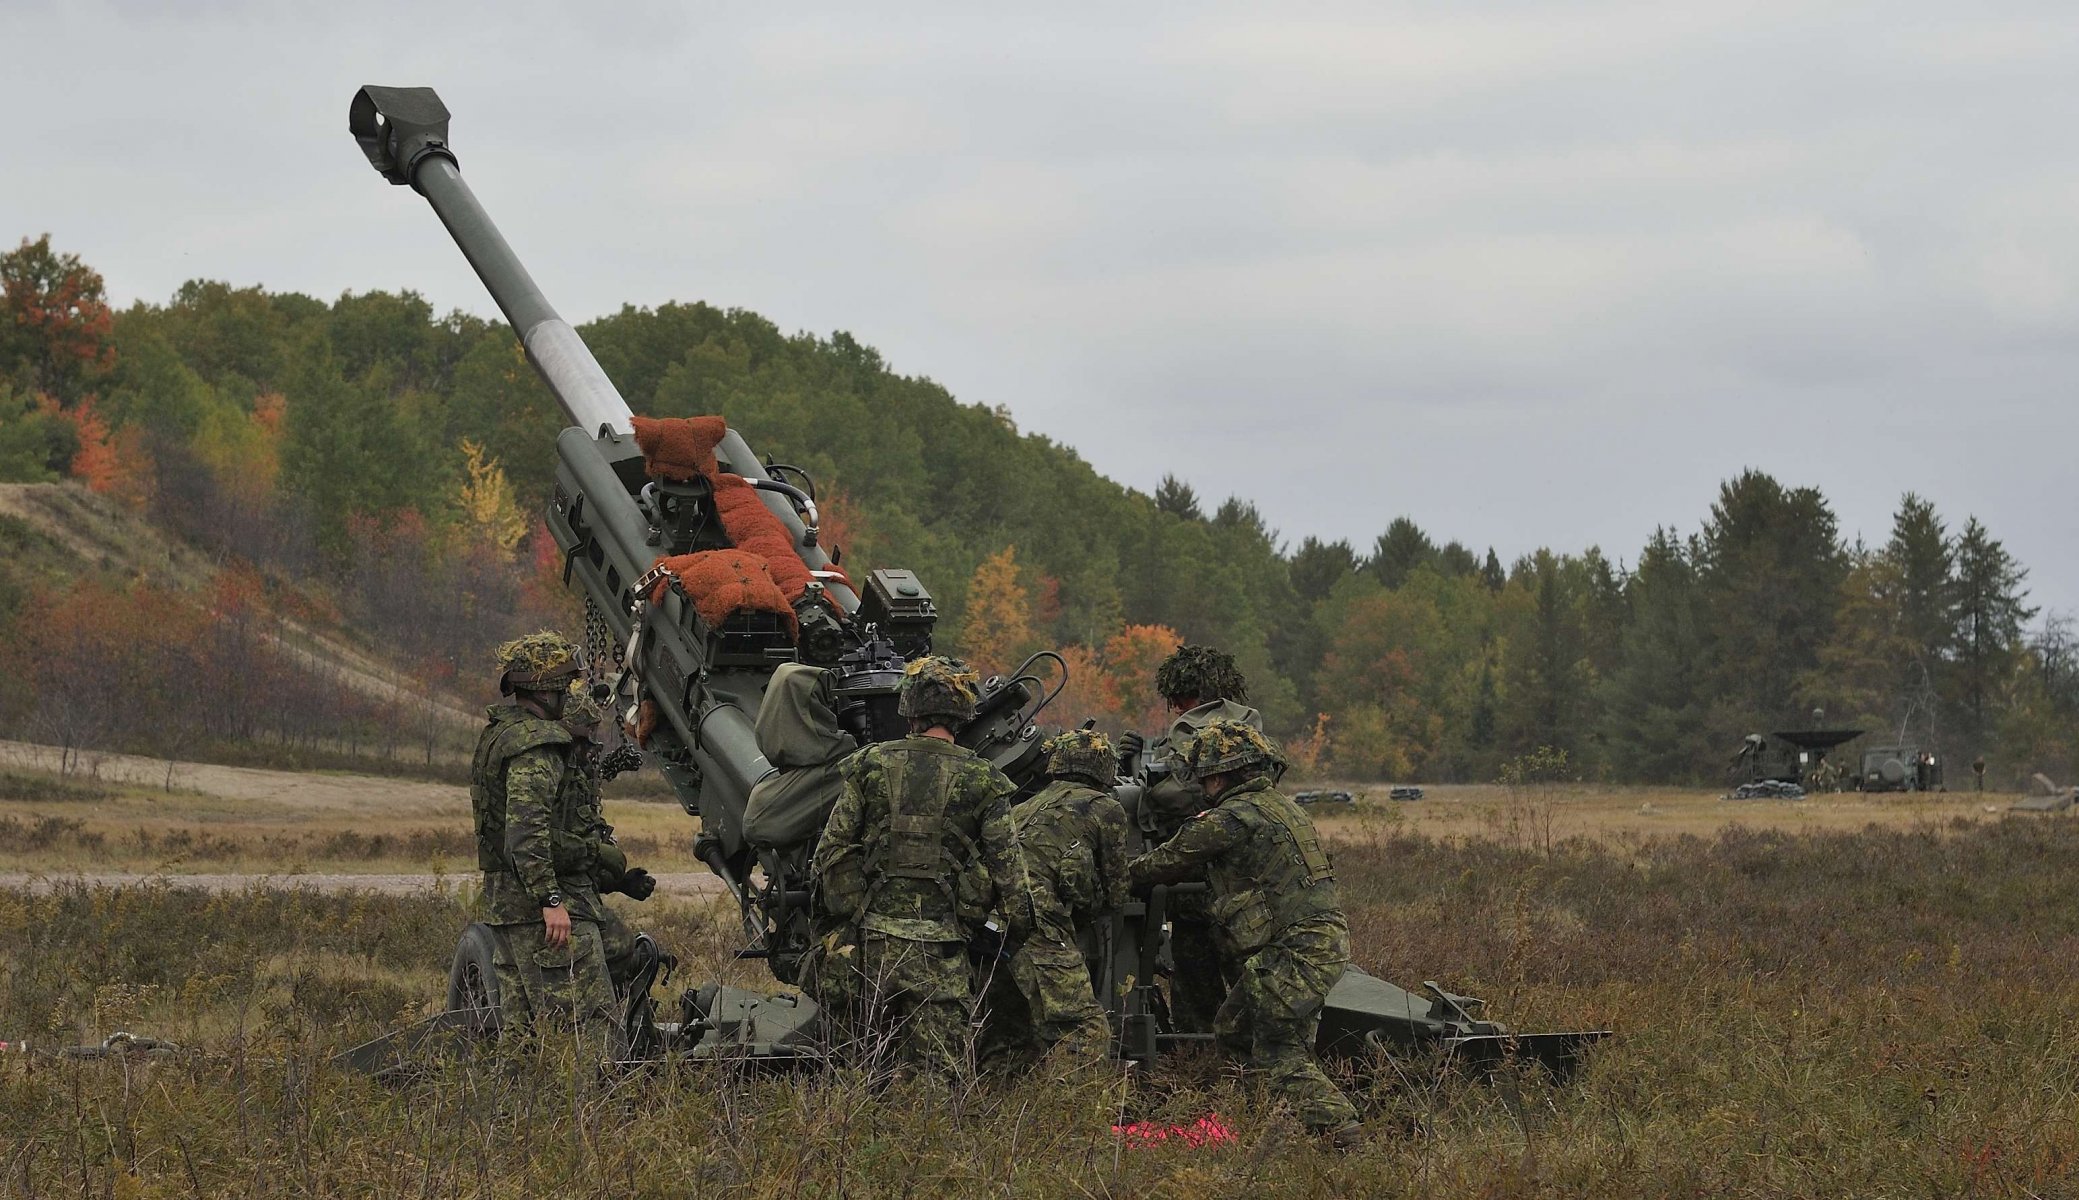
[380, 458]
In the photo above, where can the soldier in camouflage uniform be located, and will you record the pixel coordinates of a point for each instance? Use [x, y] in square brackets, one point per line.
[1071, 840]
[914, 855]
[605, 861]
[1272, 892]
[1201, 685]
[543, 909]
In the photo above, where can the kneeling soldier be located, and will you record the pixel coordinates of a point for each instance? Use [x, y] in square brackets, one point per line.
[1071, 840]
[1272, 893]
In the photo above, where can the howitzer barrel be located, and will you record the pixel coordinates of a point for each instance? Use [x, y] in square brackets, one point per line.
[404, 132]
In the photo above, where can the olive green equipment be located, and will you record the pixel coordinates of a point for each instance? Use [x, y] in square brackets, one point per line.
[696, 691]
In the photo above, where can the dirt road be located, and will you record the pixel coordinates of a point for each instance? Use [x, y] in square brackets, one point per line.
[326, 790]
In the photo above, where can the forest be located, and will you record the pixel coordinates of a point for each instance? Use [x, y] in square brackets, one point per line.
[367, 470]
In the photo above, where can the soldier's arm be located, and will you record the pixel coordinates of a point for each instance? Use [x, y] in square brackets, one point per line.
[531, 782]
[1202, 839]
[836, 864]
[1110, 833]
[998, 847]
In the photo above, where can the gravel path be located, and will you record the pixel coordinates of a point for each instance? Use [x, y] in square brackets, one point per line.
[338, 790]
[677, 884]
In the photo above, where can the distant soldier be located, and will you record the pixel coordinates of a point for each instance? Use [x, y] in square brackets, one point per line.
[1071, 840]
[594, 849]
[525, 790]
[915, 854]
[1200, 685]
[1273, 895]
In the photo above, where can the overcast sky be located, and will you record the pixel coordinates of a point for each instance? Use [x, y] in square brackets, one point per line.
[1531, 274]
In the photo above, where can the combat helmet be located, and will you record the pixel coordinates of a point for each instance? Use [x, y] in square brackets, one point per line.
[1226, 747]
[1083, 754]
[1201, 673]
[539, 662]
[939, 686]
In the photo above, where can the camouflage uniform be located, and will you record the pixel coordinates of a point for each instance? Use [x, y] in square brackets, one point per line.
[606, 863]
[1201, 972]
[526, 801]
[1071, 841]
[1273, 894]
[914, 854]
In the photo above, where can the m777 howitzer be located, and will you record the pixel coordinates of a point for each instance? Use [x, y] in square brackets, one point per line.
[710, 601]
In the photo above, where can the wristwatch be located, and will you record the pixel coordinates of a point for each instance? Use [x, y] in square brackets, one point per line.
[553, 900]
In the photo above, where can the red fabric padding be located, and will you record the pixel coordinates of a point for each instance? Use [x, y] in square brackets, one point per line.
[724, 582]
[754, 527]
[675, 449]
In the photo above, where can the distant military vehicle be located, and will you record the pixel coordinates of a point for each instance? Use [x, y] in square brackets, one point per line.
[1315, 799]
[1902, 768]
[1795, 756]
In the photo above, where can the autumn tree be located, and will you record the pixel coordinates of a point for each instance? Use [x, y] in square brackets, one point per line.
[485, 501]
[1130, 657]
[55, 325]
[997, 633]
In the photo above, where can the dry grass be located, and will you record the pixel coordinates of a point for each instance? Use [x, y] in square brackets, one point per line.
[220, 819]
[1571, 810]
[1799, 1012]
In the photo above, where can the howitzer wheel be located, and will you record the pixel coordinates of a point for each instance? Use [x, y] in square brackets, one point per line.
[472, 980]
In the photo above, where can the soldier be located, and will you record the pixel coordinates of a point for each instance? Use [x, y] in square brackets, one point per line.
[544, 916]
[1071, 841]
[1273, 895]
[916, 852]
[1200, 685]
[596, 850]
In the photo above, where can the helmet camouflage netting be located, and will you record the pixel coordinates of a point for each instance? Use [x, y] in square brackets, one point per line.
[1227, 747]
[938, 686]
[1082, 754]
[539, 662]
[581, 713]
[1201, 673]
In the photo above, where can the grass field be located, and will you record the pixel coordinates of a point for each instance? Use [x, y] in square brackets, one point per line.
[1842, 998]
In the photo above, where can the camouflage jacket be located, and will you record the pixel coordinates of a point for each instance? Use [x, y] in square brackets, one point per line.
[1071, 841]
[1263, 865]
[533, 809]
[1169, 799]
[918, 845]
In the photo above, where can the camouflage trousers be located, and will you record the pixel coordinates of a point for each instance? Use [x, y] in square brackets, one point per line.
[1275, 1009]
[1064, 1017]
[563, 990]
[919, 996]
[1200, 972]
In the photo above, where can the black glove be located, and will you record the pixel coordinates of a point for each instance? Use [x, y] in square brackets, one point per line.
[637, 884]
[619, 761]
[1131, 745]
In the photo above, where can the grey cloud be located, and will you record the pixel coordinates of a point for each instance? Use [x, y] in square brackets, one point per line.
[1531, 273]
